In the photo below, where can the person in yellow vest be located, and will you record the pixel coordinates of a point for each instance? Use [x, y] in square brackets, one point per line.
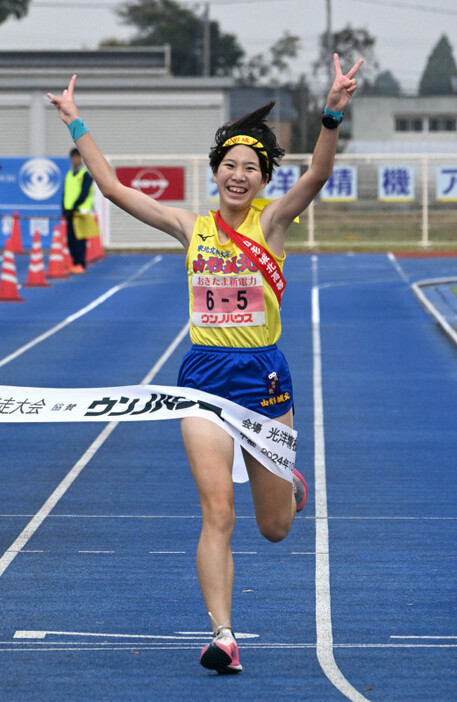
[78, 196]
[235, 324]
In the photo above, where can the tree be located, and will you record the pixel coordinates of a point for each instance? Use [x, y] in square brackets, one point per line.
[17, 8]
[385, 84]
[161, 22]
[439, 71]
[351, 44]
[226, 53]
[273, 64]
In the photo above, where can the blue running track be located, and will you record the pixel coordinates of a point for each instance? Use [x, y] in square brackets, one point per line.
[101, 601]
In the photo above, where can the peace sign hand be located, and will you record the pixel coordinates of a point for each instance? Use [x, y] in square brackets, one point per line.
[65, 105]
[343, 86]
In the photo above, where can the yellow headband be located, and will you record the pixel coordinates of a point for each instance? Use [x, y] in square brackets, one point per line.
[247, 141]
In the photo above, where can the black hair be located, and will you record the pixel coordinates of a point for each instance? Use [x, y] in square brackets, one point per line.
[75, 152]
[253, 125]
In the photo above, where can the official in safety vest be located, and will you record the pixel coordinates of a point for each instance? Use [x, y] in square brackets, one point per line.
[78, 196]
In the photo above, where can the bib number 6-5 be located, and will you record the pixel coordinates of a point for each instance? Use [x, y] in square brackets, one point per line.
[241, 298]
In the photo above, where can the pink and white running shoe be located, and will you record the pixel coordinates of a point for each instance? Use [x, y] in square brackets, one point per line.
[300, 490]
[222, 653]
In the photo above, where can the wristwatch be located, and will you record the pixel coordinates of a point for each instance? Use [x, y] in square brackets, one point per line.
[331, 119]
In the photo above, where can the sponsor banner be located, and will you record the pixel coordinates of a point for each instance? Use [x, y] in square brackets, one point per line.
[32, 187]
[270, 442]
[160, 183]
[446, 183]
[396, 184]
[341, 186]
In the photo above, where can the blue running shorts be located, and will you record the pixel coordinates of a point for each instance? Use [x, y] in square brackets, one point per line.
[255, 378]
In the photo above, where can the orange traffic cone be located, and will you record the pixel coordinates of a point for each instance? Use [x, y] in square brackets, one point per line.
[67, 259]
[16, 238]
[94, 250]
[90, 251]
[36, 277]
[8, 282]
[56, 266]
[63, 229]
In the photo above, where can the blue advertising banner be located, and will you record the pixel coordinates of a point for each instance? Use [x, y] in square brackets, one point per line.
[446, 183]
[32, 187]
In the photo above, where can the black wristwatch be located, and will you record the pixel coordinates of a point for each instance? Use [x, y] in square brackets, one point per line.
[331, 120]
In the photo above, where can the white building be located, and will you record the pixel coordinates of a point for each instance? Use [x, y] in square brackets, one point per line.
[130, 103]
[126, 96]
[389, 124]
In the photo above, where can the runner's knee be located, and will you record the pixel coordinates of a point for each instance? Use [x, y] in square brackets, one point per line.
[219, 514]
[274, 528]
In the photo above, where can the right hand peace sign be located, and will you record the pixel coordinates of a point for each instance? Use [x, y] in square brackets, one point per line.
[343, 86]
[65, 105]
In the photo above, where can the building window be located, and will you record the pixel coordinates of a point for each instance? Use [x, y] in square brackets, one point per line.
[409, 124]
[442, 124]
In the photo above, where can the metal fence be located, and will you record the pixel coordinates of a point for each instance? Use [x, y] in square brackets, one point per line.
[373, 201]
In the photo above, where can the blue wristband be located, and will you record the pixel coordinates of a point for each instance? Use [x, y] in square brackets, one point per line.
[333, 113]
[77, 128]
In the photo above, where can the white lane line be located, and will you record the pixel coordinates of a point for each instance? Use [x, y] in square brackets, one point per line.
[167, 553]
[102, 647]
[42, 635]
[177, 636]
[431, 309]
[69, 646]
[166, 355]
[303, 553]
[394, 518]
[196, 516]
[128, 516]
[394, 261]
[27, 533]
[80, 313]
[324, 631]
[433, 638]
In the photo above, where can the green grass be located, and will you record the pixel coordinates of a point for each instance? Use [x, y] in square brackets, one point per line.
[344, 227]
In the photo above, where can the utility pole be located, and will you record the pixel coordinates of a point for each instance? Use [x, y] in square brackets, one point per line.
[206, 41]
[329, 41]
[277, 111]
[303, 107]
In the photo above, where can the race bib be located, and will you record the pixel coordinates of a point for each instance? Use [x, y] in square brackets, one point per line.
[228, 300]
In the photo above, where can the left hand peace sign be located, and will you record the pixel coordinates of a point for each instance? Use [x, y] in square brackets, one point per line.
[343, 86]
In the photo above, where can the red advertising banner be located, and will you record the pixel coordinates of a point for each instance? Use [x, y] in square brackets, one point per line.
[159, 183]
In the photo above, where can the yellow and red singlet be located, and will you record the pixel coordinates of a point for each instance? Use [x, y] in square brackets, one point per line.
[230, 303]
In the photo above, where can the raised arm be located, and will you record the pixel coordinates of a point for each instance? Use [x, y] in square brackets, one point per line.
[174, 221]
[280, 213]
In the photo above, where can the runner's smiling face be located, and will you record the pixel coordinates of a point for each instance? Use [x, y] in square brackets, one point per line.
[239, 177]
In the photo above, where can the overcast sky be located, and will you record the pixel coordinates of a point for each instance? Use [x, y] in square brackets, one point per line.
[405, 30]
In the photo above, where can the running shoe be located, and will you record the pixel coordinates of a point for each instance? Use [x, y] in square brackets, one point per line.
[300, 490]
[222, 653]
[77, 269]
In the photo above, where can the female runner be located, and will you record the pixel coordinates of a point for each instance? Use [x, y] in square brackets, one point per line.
[236, 358]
